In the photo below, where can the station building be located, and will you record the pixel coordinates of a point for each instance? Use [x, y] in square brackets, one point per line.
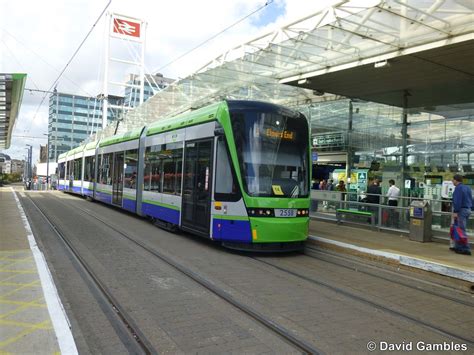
[386, 85]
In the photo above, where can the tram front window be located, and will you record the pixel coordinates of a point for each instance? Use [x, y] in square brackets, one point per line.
[273, 153]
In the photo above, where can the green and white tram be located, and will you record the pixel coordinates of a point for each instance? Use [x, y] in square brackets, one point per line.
[237, 172]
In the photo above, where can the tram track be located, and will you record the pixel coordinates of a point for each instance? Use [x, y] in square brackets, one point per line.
[269, 324]
[369, 302]
[364, 269]
[128, 332]
[282, 332]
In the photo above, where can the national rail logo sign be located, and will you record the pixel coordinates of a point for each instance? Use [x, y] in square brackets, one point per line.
[126, 27]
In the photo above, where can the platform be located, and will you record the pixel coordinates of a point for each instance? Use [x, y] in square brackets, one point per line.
[396, 248]
[32, 319]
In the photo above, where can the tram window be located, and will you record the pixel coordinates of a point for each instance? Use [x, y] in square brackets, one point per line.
[89, 168]
[105, 176]
[61, 171]
[153, 168]
[172, 166]
[147, 172]
[78, 169]
[131, 157]
[226, 187]
[70, 169]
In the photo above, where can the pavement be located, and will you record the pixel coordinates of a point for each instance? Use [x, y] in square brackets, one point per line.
[32, 316]
[432, 257]
[32, 319]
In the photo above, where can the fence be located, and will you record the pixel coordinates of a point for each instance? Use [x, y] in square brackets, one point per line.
[324, 205]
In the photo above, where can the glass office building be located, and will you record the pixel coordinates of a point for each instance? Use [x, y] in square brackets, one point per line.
[73, 118]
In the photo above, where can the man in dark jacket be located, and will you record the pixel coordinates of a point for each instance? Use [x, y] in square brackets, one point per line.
[462, 205]
[372, 191]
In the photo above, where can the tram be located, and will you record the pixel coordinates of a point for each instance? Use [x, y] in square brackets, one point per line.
[236, 172]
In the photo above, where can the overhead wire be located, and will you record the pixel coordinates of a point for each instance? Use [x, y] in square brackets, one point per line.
[44, 61]
[214, 36]
[73, 56]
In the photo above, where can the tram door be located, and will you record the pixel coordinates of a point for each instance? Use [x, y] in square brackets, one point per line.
[71, 174]
[117, 179]
[196, 209]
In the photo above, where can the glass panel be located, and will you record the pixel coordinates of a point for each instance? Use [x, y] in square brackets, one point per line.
[131, 165]
[105, 176]
[153, 167]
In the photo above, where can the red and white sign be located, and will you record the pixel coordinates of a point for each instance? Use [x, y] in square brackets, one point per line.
[126, 27]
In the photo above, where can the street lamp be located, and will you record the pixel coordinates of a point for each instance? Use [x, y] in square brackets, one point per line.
[47, 161]
[30, 170]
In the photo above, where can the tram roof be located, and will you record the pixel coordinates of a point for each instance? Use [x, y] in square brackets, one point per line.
[120, 138]
[201, 115]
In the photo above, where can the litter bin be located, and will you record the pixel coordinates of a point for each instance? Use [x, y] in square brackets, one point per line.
[420, 221]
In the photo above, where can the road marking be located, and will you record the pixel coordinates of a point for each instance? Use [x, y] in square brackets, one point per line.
[61, 324]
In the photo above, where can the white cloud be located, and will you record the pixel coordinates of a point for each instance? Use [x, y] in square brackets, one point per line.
[42, 35]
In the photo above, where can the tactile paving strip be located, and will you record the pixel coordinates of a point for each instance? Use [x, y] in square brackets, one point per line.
[25, 324]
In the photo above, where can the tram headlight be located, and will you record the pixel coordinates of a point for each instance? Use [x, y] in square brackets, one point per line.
[261, 212]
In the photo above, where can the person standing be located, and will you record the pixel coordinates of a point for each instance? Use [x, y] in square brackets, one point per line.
[323, 185]
[373, 192]
[392, 195]
[462, 205]
[330, 185]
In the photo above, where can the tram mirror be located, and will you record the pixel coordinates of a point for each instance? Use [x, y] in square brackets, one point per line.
[218, 132]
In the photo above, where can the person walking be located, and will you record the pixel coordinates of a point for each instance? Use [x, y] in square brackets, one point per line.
[462, 205]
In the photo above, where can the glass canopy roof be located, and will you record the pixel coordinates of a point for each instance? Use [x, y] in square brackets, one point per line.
[340, 37]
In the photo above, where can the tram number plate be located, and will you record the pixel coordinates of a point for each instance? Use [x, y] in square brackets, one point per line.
[285, 212]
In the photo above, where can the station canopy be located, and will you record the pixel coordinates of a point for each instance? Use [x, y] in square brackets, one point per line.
[378, 51]
[11, 93]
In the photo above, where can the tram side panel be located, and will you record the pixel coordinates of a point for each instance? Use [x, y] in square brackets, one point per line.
[162, 177]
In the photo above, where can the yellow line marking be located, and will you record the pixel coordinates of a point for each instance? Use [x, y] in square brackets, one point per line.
[13, 259]
[27, 271]
[8, 278]
[19, 303]
[24, 333]
[11, 283]
[13, 262]
[31, 284]
[20, 308]
[43, 325]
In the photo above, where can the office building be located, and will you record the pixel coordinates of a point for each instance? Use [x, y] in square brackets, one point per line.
[73, 118]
